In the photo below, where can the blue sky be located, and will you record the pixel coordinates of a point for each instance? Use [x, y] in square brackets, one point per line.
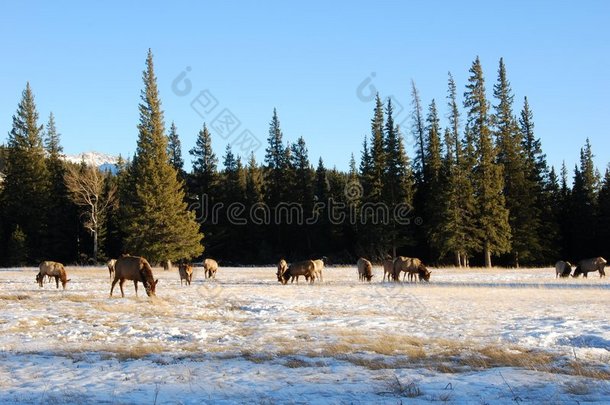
[84, 62]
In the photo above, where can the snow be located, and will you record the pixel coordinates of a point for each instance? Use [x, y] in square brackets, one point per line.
[469, 336]
[103, 161]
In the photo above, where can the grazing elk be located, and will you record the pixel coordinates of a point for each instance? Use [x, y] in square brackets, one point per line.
[388, 269]
[563, 269]
[588, 265]
[412, 266]
[110, 265]
[305, 268]
[282, 266]
[186, 273]
[319, 263]
[210, 267]
[137, 269]
[365, 270]
[52, 269]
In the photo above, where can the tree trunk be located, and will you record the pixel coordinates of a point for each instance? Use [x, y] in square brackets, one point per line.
[458, 259]
[95, 246]
[517, 259]
[487, 253]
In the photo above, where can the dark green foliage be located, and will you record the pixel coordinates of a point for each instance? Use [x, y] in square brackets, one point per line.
[24, 198]
[583, 208]
[159, 226]
[204, 177]
[492, 215]
[603, 223]
[174, 150]
[62, 214]
[519, 171]
[17, 248]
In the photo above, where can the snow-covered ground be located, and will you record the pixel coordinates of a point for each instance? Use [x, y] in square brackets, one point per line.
[469, 336]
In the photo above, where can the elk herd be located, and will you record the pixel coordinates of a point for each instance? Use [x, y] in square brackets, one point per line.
[137, 269]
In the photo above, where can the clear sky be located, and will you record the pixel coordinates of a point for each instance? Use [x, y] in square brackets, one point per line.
[84, 61]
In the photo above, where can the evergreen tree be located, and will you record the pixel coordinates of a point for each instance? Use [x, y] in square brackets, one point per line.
[488, 178]
[545, 188]
[276, 163]
[398, 188]
[204, 177]
[26, 179]
[17, 247]
[603, 223]
[303, 183]
[519, 184]
[378, 153]
[161, 227]
[457, 232]
[62, 215]
[433, 187]
[174, 150]
[256, 246]
[419, 132]
[583, 206]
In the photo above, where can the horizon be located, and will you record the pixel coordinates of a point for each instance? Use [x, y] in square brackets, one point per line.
[285, 64]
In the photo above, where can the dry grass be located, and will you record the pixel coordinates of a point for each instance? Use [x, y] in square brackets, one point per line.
[18, 297]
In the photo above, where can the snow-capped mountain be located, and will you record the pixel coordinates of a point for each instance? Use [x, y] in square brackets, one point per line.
[101, 160]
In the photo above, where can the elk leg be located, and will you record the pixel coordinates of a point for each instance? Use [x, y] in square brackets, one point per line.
[112, 287]
[135, 284]
[121, 285]
[56, 281]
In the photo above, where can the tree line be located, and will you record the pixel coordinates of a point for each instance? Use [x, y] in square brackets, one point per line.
[477, 189]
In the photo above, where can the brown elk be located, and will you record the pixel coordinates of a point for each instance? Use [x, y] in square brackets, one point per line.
[136, 269]
[210, 267]
[52, 269]
[365, 270]
[186, 273]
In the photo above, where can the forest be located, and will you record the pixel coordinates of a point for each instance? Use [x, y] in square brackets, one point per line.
[477, 192]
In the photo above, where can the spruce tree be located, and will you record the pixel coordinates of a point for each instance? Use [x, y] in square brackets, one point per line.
[26, 180]
[603, 223]
[160, 227]
[583, 206]
[419, 133]
[377, 152]
[62, 214]
[174, 150]
[545, 188]
[433, 187]
[520, 189]
[488, 178]
[204, 177]
[276, 163]
[398, 189]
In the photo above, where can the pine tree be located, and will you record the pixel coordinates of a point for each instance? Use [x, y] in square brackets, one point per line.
[62, 215]
[398, 188]
[545, 188]
[378, 153]
[303, 183]
[276, 163]
[603, 223]
[419, 132]
[161, 227]
[204, 177]
[583, 206]
[457, 232]
[488, 180]
[26, 179]
[519, 187]
[17, 248]
[433, 187]
[174, 150]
